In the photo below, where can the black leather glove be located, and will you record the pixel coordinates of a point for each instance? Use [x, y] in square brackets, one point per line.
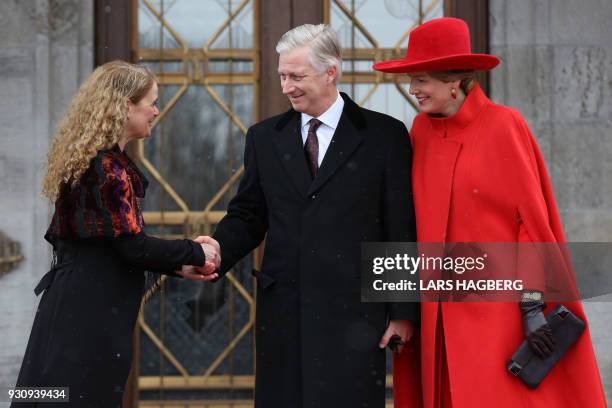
[537, 330]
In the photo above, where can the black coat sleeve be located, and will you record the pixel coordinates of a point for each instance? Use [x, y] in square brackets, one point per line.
[398, 215]
[244, 226]
[158, 255]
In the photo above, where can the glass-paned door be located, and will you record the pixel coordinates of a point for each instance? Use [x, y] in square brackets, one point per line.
[195, 342]
[375, 30]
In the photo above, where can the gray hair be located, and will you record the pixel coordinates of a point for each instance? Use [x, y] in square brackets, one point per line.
[323, 43]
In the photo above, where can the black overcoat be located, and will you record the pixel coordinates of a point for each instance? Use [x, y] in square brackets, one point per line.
[82, 333]
[316, 342]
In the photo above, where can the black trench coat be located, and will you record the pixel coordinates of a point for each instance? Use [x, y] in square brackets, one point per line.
[82, 333]
[316, 343]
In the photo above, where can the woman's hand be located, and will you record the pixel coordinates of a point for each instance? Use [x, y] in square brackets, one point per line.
[537, 330]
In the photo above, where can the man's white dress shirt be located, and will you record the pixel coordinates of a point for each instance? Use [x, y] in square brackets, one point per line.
[329, 122]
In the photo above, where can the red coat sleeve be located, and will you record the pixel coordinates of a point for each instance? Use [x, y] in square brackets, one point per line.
[543, 263]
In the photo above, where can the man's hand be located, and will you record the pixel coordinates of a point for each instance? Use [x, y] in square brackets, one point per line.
[192, 273]
[402, 328]
[212, 252]
[205, 239]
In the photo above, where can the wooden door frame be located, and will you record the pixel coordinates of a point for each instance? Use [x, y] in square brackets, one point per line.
[113, 31]
[476, 14]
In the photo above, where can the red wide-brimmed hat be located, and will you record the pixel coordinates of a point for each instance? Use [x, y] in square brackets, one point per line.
[441, 44]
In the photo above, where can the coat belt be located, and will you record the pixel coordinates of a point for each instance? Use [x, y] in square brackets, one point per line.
[48, 278]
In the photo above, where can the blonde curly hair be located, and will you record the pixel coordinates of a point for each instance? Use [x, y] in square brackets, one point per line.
[95, 120]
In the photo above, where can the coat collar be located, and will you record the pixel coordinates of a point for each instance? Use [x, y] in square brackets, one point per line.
[474, 103]
[346, 139]
[330, 117]
[140, 181]
[351, 110]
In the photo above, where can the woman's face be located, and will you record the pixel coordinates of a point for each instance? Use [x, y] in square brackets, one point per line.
[434, 95]
[141, 115]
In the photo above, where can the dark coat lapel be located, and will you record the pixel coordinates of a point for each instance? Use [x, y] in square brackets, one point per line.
[291, 150]
[346, 139]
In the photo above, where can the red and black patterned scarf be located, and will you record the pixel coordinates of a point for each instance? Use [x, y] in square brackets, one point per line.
[105, 203]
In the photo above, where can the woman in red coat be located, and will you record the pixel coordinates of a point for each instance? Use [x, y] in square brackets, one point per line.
[479, 176]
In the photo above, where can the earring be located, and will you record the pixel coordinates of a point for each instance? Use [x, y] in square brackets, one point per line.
[453, 93]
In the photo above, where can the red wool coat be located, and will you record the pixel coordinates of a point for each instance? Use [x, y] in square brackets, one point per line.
[479, 176]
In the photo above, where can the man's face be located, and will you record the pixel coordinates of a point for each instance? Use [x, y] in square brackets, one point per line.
[308, 91]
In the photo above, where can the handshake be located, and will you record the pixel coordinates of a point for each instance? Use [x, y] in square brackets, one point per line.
[212, 254]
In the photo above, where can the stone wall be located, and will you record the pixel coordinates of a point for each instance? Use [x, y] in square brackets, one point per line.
[557, 70]
[46, 50]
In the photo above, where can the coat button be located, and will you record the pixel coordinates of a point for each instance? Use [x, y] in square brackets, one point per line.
[313, 196]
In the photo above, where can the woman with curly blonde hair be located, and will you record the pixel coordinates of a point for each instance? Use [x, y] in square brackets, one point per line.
[82, 333]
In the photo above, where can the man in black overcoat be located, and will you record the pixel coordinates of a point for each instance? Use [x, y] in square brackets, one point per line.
[319, 180]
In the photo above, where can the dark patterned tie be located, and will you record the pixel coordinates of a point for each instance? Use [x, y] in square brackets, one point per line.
[311, 148]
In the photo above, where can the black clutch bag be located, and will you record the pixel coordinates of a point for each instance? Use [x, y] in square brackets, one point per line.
[531, 369]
